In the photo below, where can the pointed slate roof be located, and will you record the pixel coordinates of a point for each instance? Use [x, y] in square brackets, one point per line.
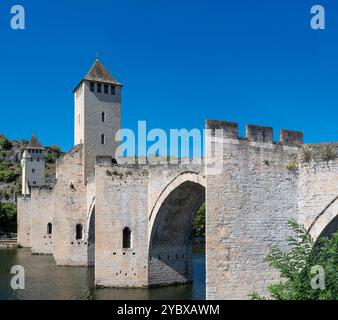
[98, 73]
[34, 143]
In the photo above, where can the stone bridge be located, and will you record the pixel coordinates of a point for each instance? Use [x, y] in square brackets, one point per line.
[137, 219]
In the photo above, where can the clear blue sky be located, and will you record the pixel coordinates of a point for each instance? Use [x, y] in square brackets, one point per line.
[181, 61]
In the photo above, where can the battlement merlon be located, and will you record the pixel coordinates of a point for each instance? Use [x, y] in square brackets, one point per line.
[230, 128]
[259, 133]
[254, 133]
[291, 138]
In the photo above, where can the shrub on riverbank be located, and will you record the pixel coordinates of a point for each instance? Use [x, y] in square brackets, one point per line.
[308, 271]
[8, 218]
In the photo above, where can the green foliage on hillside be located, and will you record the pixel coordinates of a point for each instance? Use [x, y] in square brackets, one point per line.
[8, 172]
[5, 165]
[5, 144]
[8, 218]
[299, 268]
[52, 154]
[199, 222]
[7, 176]
[49, 158]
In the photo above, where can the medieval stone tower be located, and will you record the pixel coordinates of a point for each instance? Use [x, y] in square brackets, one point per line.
[33, 166]
[97, 115]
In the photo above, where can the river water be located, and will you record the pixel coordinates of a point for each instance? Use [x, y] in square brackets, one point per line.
[44, 280]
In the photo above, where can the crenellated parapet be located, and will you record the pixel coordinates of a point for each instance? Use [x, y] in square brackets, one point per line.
[254, 133]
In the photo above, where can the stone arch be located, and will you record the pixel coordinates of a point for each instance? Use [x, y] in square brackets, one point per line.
[186, 176]
[91, 235]
[331, 228]
[89, 216]
[325, 221]
[170, 230]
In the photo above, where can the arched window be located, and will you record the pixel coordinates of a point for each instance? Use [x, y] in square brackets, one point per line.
[79, 232]
[103, 139]
[49, 228]
[103, 117]
[126, 238]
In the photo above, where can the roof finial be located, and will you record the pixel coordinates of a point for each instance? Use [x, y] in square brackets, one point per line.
[97, 55]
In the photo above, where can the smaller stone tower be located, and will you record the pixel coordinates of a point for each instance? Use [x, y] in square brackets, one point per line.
[33, 166]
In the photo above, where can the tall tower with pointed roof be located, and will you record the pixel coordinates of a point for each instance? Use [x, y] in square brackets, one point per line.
[97, 115]
[33, 166]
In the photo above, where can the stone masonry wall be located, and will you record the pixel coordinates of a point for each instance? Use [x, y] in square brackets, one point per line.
[121, 201]
[248, 205]
[42, 213]
[70, 209]
[24, 221]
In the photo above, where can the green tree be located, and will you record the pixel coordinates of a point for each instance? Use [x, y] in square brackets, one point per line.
[199, 222]
[5, 165]
[8, 217]
[7, 176]
[5, 144]
[55, 148]
[49, 158]
[296, 267]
